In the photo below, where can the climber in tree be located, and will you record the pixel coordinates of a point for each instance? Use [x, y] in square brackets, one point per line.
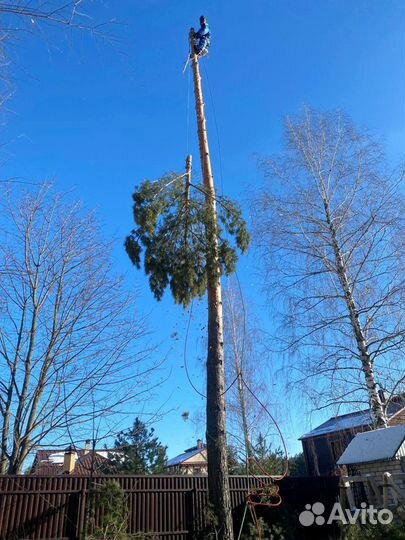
[202, 38]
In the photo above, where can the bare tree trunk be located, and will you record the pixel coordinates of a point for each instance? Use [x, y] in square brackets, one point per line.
[243, 409]
[237, 360]
[6, 411]
[376, 405]
[217, 452]
[218, 481]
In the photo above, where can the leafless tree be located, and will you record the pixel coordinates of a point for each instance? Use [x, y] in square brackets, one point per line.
[246, 373]
[330, 226]
[20, 15]
[69, 335]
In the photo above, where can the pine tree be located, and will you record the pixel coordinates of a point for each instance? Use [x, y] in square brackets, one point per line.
[139, 451]
[266, 459]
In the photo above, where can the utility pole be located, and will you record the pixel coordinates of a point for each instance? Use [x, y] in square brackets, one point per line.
[217, 450]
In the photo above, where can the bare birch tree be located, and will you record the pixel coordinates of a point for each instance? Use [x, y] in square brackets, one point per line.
[245, 373]
[330, 225]
[69, 340]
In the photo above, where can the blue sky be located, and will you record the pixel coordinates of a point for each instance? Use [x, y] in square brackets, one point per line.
[100, 117]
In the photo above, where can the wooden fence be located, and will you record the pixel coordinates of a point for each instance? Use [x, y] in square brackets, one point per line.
[171, 507]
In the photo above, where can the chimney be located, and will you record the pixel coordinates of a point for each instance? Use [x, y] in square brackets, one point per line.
[200, 444]
[69, 460]
[87, 447]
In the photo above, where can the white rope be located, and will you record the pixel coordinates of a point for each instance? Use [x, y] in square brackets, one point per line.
[188, 114]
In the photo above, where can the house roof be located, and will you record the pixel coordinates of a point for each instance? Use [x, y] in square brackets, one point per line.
[191, 452]
[50, 462]
[350, 421]
[376, 445]
[85, 464]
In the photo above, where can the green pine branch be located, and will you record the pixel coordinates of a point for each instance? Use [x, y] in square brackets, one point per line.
[170, 235]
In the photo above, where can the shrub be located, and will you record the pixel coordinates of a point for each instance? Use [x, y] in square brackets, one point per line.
[267, 532]
[111, 498]
[393, 531]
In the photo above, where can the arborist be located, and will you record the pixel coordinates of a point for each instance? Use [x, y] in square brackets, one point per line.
[202, 38]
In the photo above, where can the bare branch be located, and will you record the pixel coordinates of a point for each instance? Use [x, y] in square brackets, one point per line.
[330, 228]
[68, 331]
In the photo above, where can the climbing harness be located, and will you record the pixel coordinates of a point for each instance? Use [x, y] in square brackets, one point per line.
[202, 46]
[200, 54]
[199, 46]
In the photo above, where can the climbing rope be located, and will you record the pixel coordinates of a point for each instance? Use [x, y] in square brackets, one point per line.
[188, 114]
[221, 176]
[266, 492]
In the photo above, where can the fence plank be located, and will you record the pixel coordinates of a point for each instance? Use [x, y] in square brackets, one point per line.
[172, 507]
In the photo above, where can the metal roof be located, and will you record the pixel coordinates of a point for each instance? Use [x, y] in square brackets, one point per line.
[183, 457]
[376, 445]
[349, 421]
[340, 423]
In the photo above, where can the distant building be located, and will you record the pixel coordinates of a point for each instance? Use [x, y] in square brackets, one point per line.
[192, 461]
[324, 445]
[71, 461]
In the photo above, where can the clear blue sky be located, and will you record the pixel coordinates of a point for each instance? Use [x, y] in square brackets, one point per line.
[101, 117]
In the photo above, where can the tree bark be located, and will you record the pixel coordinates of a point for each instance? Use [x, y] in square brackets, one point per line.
[217, 455]
[243, 411]
[376, 405]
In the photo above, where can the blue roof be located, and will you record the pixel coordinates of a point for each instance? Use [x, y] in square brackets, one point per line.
[349, 421]
[183, 457]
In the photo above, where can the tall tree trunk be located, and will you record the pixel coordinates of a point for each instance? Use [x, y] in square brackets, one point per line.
[243, 411]
[4, 457]
[237, 361]
[376, 405]
[217, 454]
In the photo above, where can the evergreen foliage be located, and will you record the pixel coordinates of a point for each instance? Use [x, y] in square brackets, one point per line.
[264, 531]
[171, 230]
[111, 500]
[234, 464]
[266, 459]
[297, 466]
[140, 451]
[392, 531]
